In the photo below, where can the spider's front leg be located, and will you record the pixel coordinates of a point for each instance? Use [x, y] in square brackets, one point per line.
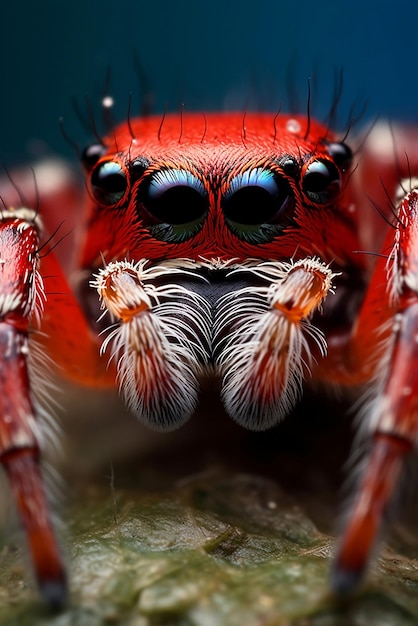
[35, 296]
[22, 299]
[386, 340]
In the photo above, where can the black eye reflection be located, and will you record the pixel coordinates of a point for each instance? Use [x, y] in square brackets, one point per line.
[137, 167]
[257, 205]
[341, 154]
[92, 154]
[175, 204]
[321, 181]
[108, 182]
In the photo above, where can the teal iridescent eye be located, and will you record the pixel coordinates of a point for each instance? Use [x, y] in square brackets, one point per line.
[257, 205]
[108, 182]
[175, 203]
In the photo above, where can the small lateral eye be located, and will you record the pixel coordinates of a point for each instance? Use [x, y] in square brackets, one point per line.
[137, 167]
[321, 181]
[289, 166]
[341, 154]
[176, 197]
[92, 154]
[108, 182]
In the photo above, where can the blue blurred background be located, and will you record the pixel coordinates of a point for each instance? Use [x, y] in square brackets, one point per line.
[208, 55]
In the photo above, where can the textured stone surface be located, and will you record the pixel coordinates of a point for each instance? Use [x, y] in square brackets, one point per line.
[210, 526]
[222, 549]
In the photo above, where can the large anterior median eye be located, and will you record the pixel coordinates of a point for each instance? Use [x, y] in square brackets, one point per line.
[175, 203]
[257, 205]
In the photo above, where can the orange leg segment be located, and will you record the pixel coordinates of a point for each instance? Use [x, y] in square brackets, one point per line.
[25, 478]
[384, 466]
[21, 302]
[393, 414]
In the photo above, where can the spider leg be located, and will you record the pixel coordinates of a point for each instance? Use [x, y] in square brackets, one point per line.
[40, 320]
[392, 423]
[21, 303]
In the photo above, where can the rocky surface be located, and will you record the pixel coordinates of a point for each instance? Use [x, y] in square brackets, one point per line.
[225, 530]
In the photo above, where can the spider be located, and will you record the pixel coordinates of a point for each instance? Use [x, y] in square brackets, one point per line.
[222, 246]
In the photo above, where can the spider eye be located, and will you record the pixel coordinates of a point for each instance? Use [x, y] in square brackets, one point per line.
[175, 203]
[137, 167]
[176, 197]
[341, 154]
[257, 205]
[109, 182]
[92, 154]
[321, 181]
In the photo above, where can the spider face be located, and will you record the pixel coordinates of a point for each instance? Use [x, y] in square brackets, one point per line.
[244, 229]
[260, 196]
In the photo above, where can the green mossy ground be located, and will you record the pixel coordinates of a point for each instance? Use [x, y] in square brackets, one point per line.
[224, 550]
[213, 545]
